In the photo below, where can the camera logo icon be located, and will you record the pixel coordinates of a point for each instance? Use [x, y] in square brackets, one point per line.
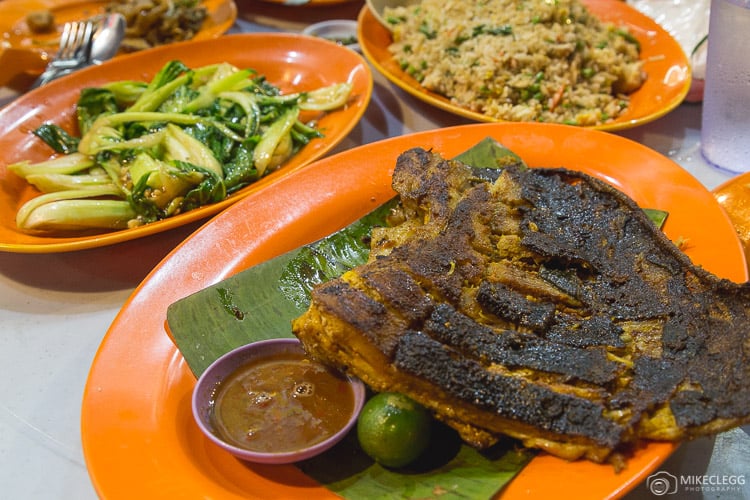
[662, 483]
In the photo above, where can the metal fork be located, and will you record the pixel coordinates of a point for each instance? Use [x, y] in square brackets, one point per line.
[74, 51]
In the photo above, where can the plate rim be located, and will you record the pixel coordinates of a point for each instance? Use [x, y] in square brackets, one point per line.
[737, 206]
[410, 86]
[117, 336]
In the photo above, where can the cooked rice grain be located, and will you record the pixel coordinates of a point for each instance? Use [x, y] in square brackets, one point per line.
[529, 60]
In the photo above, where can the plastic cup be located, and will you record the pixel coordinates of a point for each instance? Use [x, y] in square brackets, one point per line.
[725, 128]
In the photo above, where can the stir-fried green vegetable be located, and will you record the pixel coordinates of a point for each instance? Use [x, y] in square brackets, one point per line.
[151, 150]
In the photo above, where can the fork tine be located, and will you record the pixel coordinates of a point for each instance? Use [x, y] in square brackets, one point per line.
[76, 40]
[84, 50]
[69, 43]
[65, 38]
[79, 40]
[74, 51]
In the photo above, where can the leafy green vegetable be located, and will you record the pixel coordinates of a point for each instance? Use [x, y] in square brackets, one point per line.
[187, 138]
[61, 141]
[74, 210]
[68, 164]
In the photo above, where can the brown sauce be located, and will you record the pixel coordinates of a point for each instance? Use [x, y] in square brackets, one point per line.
[281, 403]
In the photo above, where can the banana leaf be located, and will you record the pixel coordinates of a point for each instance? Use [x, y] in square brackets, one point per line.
[448, 469]
[658, 217]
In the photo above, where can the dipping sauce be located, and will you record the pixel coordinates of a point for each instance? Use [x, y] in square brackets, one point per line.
[281, 403]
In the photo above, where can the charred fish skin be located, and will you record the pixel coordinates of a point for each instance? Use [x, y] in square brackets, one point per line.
[704, 335]
[515, 350]
[545, 306]
[508, 396]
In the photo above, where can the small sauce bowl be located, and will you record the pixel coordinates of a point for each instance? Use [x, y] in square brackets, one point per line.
[341, 31]
[267, 402]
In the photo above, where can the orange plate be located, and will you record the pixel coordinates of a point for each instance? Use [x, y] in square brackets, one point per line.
[734, 196]
[139, 438]
[292, 62]
[16, 33]
[665, 63]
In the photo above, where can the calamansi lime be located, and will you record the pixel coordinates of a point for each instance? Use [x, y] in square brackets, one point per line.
[393, 429]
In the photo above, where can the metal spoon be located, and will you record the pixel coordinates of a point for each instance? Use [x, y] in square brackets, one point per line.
[107, 38]
[377, 7]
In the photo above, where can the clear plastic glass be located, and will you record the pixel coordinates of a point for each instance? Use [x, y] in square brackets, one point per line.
[725, 128]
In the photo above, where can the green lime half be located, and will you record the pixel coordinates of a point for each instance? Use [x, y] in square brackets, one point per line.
[393, 429]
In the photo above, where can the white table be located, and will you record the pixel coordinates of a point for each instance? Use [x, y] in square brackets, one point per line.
[55, 309]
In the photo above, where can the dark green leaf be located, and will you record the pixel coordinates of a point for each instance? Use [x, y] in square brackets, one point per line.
[93, 103]
[58, 139]
[448, 469]
[658, 217]
[169, 72]
[488, 153]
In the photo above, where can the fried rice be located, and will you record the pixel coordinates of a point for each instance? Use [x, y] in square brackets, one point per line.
[519, 60]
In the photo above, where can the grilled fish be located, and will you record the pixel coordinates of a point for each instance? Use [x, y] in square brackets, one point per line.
[542, 305]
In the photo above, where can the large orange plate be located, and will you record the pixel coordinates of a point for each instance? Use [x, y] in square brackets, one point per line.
[139, 438]
[292, 62]
[16, 33]
[666, 64]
